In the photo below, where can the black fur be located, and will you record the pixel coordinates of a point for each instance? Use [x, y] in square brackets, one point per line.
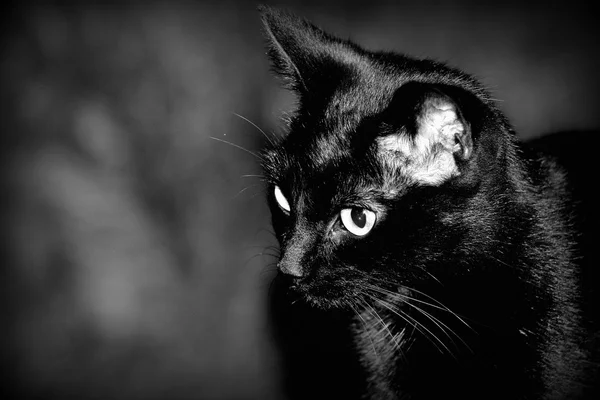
[490, 256]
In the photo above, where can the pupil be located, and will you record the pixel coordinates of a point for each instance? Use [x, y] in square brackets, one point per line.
[359, 217]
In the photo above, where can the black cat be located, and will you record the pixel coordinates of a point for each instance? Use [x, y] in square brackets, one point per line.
[424, 253]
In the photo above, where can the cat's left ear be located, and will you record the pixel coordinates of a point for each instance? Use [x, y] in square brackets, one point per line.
[310, 60]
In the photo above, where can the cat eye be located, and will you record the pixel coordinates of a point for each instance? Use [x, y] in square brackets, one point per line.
[358, 221]
[281, 200]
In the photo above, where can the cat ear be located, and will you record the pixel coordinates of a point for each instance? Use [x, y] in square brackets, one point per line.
[432, 117]
[440, 121]
[429, 133]
[308, 58]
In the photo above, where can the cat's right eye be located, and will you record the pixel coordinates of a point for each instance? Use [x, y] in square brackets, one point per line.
[281, 200]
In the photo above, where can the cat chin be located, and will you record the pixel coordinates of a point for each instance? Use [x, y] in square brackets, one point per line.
[319, 301]
[327, 303]
[324, 302]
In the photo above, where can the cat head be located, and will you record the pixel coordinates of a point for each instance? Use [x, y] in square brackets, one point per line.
[383, 157]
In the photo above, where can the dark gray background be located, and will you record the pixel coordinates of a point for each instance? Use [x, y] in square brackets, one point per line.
[135, 250]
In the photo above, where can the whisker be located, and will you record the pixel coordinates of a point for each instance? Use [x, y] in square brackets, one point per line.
[385, 326]
[403, 296]
[256, 126]
[269, 269]
[263, 254]
[440, 305]
[239, 147]
[244, 189]
[263, 191]
[433, 277]
[253, 246]
[410, 320]
[443, 327]
[366, 328]
[404, 316]
[268, 231]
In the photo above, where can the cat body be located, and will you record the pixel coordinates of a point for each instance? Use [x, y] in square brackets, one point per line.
[424, 252]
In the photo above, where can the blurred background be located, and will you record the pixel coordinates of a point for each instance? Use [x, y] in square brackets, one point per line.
[137, 252]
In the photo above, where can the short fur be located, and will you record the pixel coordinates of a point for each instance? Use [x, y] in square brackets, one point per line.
[467, 286]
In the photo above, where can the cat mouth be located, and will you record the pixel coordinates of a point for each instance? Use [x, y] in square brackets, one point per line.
[324, 296]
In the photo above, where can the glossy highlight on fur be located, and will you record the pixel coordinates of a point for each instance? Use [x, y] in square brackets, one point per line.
[466, 283]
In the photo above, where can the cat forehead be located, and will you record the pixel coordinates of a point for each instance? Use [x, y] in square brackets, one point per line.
[367, 91]
[343, 122]
[353, 128]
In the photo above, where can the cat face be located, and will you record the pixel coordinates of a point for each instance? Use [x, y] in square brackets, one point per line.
[366, 188]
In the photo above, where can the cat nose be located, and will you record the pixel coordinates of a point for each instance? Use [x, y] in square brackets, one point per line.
[294, 252]
[290, 268]
[289, 264]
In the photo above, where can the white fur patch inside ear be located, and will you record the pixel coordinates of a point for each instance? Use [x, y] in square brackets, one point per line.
[428, 156]
[439, 124]
[397, 143]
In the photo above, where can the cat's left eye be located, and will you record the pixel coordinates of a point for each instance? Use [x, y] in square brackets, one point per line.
[358, 221]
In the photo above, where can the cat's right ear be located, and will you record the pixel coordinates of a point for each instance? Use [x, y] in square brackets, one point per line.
[309, 59]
